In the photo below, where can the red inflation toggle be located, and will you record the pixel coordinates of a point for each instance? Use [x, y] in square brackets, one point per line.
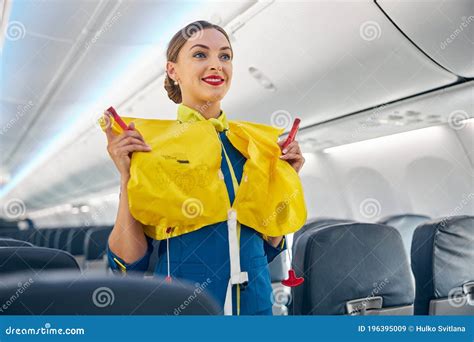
[292, 280]
[292, 135]
[118, 119]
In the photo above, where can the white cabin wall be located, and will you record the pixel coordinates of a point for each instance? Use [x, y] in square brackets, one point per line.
[466, 138]
[424, 171]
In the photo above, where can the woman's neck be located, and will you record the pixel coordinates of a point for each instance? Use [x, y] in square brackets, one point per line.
[207, 109]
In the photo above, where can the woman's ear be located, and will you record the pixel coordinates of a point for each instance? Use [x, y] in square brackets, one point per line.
[171, 70]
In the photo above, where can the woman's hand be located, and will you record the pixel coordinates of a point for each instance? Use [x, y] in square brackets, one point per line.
[292, 154]
[121, 147]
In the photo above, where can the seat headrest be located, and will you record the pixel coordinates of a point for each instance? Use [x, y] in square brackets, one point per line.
[32, 259]
[350, 261]
[406, 225]
[95, 242]
[442, 257]
[65, 293]
[400, 219]
[6, 242]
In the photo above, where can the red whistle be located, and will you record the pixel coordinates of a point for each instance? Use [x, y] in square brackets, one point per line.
[292, 135]
[118, 119]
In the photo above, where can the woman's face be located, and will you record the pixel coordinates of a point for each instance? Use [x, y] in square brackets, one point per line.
[206, 53]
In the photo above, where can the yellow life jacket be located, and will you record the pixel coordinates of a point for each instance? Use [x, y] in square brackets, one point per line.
[179, 184]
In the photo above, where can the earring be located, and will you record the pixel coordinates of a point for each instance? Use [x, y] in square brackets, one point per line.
[175, 82]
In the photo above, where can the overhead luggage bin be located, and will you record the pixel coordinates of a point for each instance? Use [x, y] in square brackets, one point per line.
[444, 32]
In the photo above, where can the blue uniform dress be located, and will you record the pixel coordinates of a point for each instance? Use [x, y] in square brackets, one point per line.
[202, 256]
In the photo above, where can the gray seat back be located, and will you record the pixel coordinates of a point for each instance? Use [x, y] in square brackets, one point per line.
[406, 225]
[442, 259]
[352, 268]
[35, 259]
[63, 293]
[7, 242]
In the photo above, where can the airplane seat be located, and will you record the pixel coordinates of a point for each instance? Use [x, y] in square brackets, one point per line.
[50, 237]
[299, 246]
[352, 268]
[60, 239]
[42, 237]
[65, 293]
[22, 235]
[75, 243]
[442, 257]
[95, 245]
[406, 225]
[7, 242]
[8, 228]
[316, 223]
[279, 267]
[33, 236]
[35, 259]
[153, 258]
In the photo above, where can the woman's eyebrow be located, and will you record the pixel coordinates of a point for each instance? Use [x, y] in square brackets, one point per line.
[207, 47]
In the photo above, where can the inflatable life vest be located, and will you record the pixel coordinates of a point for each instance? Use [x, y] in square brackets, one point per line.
[178, 187]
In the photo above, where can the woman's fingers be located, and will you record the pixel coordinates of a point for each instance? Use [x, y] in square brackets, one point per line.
[129, 141]
[294, 147]
[108, 127]
[291, 156]
[134, 134]
[133, 148]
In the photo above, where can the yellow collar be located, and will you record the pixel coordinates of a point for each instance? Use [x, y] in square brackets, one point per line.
[188, 114]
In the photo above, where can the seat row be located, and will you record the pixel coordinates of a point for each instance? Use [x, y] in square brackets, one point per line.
[364, 268]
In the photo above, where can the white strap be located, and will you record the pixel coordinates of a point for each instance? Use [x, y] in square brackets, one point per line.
[228, 300]
[236, 276]
[168, 255]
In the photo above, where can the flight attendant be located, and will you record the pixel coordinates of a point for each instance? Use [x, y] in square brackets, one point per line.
[199, 74]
